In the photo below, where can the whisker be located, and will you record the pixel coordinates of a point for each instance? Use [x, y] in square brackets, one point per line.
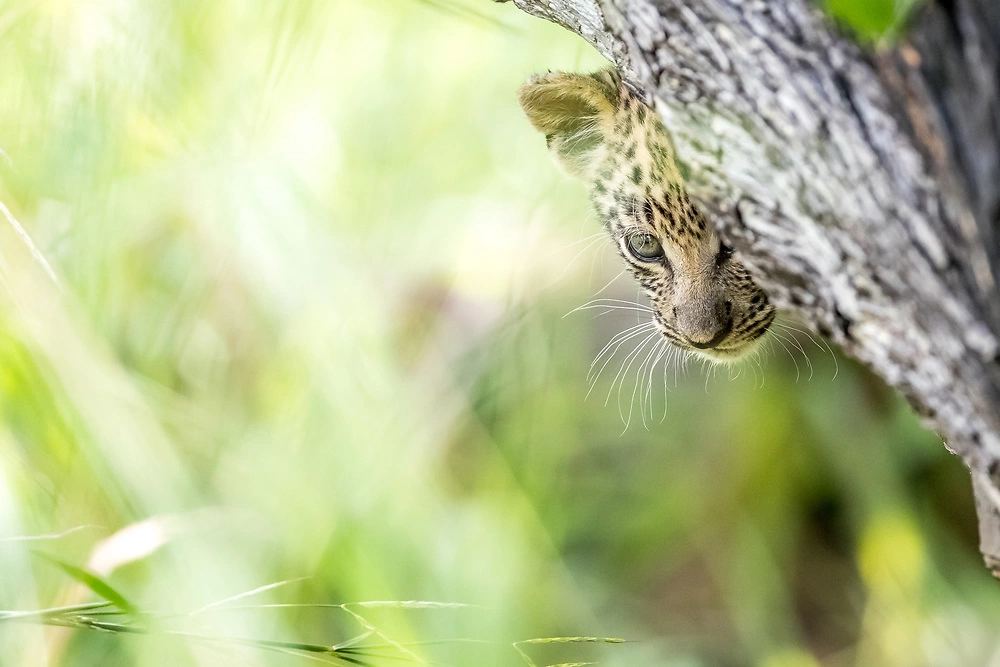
[639, 384]
[585, 239]
[611, 304]
[623, 370]
[749, 364]
[620, 301]
[825, 347]
[752, 368]
[593, 239]
[686, 364]
[778, 337]
[635, 331]
[671, 355]
[795, 341]
[607, 310]
[609, 283]
[647, 366]
[662, 345]
[757, 358]
[638, 387]
[619, 338]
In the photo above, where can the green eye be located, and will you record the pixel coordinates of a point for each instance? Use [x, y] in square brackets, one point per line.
[644, 247]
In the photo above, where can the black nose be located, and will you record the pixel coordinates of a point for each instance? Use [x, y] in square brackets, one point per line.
[716, 339]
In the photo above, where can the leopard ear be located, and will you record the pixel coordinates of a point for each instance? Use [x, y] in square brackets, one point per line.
[572, 110]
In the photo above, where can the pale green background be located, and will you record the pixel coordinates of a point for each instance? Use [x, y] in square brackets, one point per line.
[314, 270]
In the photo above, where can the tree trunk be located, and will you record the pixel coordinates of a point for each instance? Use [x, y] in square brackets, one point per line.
[863, 191]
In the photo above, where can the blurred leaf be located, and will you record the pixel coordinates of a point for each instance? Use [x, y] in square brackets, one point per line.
[91, 581]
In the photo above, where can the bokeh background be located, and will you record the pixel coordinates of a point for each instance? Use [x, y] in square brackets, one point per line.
[287, 294]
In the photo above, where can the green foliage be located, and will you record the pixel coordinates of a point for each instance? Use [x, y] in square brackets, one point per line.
[308, 326]
[872, 20]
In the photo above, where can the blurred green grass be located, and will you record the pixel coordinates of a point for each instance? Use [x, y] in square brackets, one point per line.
[314, 272]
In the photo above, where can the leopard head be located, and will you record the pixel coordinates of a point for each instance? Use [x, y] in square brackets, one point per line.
[599, 130]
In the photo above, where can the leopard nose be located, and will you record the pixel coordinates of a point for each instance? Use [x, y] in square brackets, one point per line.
[719, 336]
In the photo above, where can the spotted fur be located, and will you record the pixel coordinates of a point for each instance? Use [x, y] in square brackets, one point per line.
[599, 130]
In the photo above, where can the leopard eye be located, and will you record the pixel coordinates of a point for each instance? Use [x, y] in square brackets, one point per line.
[725, 252]
[644, 247]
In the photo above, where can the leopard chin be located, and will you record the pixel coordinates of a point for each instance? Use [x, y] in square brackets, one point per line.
[731, 354]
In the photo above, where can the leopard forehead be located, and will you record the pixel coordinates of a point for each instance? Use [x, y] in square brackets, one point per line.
[638, 187]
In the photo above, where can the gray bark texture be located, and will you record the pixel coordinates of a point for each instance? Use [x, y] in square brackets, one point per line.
[861, 189]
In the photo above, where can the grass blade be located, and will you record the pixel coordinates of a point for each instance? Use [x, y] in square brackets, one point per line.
[93, 582]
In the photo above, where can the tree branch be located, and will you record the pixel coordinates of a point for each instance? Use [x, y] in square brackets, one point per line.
[862, 191]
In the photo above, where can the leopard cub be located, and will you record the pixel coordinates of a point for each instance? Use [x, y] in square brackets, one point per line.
[599, 130]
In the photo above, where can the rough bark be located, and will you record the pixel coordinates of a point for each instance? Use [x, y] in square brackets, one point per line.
[863, 190]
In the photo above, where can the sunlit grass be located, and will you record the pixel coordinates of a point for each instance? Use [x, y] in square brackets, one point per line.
[117, 616]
